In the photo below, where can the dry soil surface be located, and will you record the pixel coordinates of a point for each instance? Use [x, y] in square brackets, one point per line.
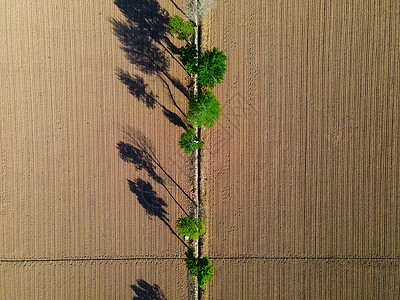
[301, 172]
[72, 134]
[304, 163]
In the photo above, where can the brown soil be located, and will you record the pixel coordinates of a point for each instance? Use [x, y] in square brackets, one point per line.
[64, 188]
[304, 162]
[280, 279]
[94, 280]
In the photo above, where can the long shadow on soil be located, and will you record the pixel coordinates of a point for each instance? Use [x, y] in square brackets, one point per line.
[143, 34]
[144, 38]
[149, 200]
[141, 155]
[146, 291]
[139, 89]
[139, 152]
[139, 158]
[142, 160]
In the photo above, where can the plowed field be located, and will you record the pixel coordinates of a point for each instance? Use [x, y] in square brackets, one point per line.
[301, 172]
[304, 163]
[84, 211]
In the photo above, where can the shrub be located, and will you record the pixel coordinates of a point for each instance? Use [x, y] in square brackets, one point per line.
[191, 262]
[204, 109]
[205, 272]
[211, 68]
[199, 267]
[191, 227]
[189, 57]
[183, 29]
[189, 141]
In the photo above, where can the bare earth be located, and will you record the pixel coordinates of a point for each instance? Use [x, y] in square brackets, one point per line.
[66, 204]
[301, 173]
[304, 163]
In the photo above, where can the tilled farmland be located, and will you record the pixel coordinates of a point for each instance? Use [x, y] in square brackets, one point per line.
[303, 169]
[300, 175]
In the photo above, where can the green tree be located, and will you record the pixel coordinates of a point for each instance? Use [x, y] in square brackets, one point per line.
[191, 227]
[189, 57]
[190, 141]
[199, 267]
[184, 29]
[205, 272]
[191, 262]
[211, 68]
[204, 109]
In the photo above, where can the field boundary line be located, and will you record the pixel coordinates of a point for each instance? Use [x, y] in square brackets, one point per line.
[306, 258]
[83, 259]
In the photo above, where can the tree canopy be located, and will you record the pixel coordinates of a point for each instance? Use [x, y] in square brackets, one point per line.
[189, 141]
[189, 57]
[191, 227]
[204, 109]
[199, 267]
[183, 29]
[211, 68]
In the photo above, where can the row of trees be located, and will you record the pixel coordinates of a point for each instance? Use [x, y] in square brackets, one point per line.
[199, 267]
[208, 68]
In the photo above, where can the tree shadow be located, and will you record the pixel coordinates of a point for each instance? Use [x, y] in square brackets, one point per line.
[146, 291]
[140, 49]
[143, 34]
[138, 88]
[141, 159]
[149, 200]
[146, 15]
[173, 118]
[178, 8]
[139, 152]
